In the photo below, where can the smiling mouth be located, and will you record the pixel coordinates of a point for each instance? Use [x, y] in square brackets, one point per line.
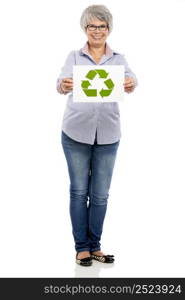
[97, 37]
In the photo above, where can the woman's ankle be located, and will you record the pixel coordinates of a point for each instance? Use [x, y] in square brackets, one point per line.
[83, 254]
[97, 252]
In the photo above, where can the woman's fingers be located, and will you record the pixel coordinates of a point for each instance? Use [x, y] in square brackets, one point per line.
[67, 84]
[129, 84]
[129, 89]
[67, 80]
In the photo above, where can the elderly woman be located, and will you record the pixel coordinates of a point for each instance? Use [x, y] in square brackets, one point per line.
[90, 137]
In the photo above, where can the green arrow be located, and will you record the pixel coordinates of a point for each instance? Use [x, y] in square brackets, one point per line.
[102, 73]
[105, 93]
[85, 84]
[109, 83]
[90, 93]
[91, 74]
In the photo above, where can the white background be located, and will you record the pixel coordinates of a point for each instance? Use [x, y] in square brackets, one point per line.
[144, 225]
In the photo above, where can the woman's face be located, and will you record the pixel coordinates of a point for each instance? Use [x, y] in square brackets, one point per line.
[98, 36]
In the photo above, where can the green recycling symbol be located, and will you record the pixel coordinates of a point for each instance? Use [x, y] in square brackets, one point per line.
[93, 92]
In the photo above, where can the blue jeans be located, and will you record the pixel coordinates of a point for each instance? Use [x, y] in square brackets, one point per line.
[90, 170]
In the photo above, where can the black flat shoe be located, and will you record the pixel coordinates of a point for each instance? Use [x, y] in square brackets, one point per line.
[87, 261]
[103, 258]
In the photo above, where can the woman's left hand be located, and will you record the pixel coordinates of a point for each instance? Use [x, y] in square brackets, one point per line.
[129, 84]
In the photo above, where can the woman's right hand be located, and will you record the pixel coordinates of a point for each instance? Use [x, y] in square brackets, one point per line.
[67, 84]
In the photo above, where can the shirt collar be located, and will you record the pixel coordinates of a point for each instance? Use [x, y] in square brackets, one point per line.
[108, 51]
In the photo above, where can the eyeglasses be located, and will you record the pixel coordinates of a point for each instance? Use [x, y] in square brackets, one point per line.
[94, 27]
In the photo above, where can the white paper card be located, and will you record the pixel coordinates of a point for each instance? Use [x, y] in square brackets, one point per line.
[98, 83]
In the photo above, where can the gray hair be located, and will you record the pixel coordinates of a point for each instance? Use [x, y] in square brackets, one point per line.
[100, 12]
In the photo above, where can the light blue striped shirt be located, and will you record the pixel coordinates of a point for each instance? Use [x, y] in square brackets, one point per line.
[82, 121]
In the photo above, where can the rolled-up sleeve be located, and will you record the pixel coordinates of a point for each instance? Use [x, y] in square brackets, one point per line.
[66, 71]
[128, 71]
